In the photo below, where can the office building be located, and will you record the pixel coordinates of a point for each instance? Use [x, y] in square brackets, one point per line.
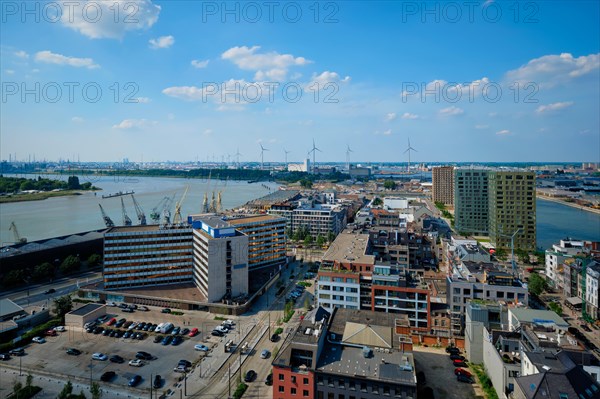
[316, 219]
[512, 209]
[443, 185]
[471, 201]
[220, 259]
[344, 354]
[137, 256]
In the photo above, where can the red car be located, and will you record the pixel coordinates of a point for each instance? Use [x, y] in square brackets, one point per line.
[111, 322]
[458, 371]
[51, 333]
[193, 332]
[459, 363]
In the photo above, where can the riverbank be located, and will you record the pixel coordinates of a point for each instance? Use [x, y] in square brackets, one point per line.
[38, 196]
[571, 204]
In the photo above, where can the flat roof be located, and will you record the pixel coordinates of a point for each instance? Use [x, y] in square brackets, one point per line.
[149, 227]
[8, 307]
[350, 247]
[253, 219]
[537, 315]
[85, 309]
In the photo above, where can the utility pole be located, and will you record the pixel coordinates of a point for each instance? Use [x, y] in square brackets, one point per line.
[229, 382]
[151, 384]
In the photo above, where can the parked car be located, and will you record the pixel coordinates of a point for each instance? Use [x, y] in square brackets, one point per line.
[459, 363]
[216, 333]
[176, 331]
[127, 334]
[99, 356]
[140, 326]
[127, 324]
[111, 304]
[132, 326]
[111, 322]
[4, 356]
[201, 347]
[265, 354]
[165, 310]
[185, 331]
[73, 352]
[143, 355]
[274, 338]
[136, 363]
[585, 327]
[269, 380]
[123, 305]
[185, 363]
[116, 359]
[464, 378]
[194, 331]
[106, 332]
[127, 310]
[38, 340]
[457, 357]
[140, 336]
[458, 371]
[107, 376]
[120, 323]
[102, 319]
[250, 376]
[452, 349]
[50, 291]
[17, 352]
[51, 333]
[98, 330]
[60, 328]
[135, 380]
[167, 340]
[158, 338]
[222, 329]
[143, 309]
[157, 382]
[90, 324]
[176, 340]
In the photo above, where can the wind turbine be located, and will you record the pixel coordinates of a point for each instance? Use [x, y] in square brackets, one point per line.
[313, 150]
[409, 149]
[237, 155]
[286, 152]
[348, 151]
[262, 152]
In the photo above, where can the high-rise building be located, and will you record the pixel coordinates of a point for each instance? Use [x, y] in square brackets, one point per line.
[471, 201]
[511, 207]
[443, 185]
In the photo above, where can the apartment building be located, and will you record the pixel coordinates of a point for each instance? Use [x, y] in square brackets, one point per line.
[555, 258]
[344, 354]
[318, 219]
[220, 259]
[471, 201]
[512, 209]
[443, 185]
[591, 289]
[138, 256]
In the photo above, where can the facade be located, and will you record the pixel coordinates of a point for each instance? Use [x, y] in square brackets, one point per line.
[318, 219]
[137, 256]
[555, 258]
[501, 359]
[344, 354]
[443, 185]
[512, 208]
[591, 289]
[471, 201]
[84, 314]
[480, 316]
[220, 259]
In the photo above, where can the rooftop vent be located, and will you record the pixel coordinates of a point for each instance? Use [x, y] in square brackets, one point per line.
[308, 331]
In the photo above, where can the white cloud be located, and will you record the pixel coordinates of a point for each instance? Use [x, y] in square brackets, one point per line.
[189, 93]
[503, 132]
[22, 54]
[77, 119]
[271, 65]
[451, 111]
[170, 116]
[387, 132]
[9, 71]
[408, 115]
[142, 100]
[132, 15]
[199, 64]
[230, 107]
[325, 80]
[549, 70]
[553, 107]
[390, 116]
[59, 59]
[134, 124]
[161, 42]
[481, 126]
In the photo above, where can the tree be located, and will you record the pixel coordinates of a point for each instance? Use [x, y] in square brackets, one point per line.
[66, 391]
[28, 380]
[62, 306]
[17, 386]
[305, 183]
[13, 277]
[556, 308]
[289, 233]
[73, 183]
[43, 272]
[537, 284]
[27, 185]
[321, 240]
[94, 260]
[308, 239]
[70, 264]
[377, 201]
[330, 236]
[389, 185]
[95, 390]
[501, 254]
[522, 255]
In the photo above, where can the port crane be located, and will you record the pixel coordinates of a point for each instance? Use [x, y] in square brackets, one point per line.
[126, 219]
[177, 220]
[156, 211]
[139, 211]
[205, 207]
[18, 238]
[107, 220]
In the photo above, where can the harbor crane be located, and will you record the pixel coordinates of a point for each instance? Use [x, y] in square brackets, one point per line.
[166, 212]
[18, 238]
[126, 219]
[107, 220]
[156, 211]
[139, 211]
[177, 219]
[205, 207]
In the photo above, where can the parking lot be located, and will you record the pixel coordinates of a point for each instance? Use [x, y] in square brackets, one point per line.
[439, 375]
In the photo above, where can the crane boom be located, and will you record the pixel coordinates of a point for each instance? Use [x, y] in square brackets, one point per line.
[139, 211]
[126, 219]
[107, 220]
[18, 238]
[177, 219]
[155, 214]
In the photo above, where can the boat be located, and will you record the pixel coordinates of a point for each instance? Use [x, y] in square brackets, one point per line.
[119, 194]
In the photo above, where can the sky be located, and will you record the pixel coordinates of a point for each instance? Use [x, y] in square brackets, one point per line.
[148, 80]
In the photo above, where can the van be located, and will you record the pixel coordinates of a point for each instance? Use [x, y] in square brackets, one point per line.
[167, 327]
[159, 327]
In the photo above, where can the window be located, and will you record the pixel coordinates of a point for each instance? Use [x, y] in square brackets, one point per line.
[363, 386]
[293, 391]
[386, 390]
[352, 385]
[305, 381]
[305, 393]
[281, 377]
[281, 388]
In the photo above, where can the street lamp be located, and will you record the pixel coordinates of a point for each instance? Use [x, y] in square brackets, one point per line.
[512, 248]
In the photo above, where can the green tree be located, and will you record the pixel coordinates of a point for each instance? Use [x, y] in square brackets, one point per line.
[389, 185]
[73, 183]
[321, 240]
[66, 391]
[289, 307]
[308, 239]
[556, 308]
[13, 277]
[522, 255]
[94, 260]
[305, 183]
[43, 272]
[62, 306]
[501, 254]
[331, 236]
[377, 201]
[537, 284]
[17, 386]
[27, 185]
[95, 390]
[289, 233]
[70, 264]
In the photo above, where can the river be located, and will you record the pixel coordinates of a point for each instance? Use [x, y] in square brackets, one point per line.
[59, 216]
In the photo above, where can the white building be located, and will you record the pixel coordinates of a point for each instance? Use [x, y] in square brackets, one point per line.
[591, 289]
[395, 203]
[555, 257]
[299, 167]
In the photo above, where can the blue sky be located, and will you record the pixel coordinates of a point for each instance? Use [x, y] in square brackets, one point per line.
[370, 75]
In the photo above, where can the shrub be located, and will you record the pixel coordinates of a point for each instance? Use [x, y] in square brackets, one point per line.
[279, 331]
[239, 391]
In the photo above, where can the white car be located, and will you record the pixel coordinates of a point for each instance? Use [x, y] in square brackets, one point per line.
[59, 328]
[99, 356]
[200, 347]
[136, 363]
[111, 304]
[222, 329]
[39, 340]
[133, 325]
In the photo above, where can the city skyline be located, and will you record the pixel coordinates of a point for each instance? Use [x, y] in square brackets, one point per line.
[369, 78]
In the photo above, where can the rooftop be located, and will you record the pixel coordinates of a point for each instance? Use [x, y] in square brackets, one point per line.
[248, 219]
[524, 315]
[350, 247]
[85, 309]
[8, 307]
